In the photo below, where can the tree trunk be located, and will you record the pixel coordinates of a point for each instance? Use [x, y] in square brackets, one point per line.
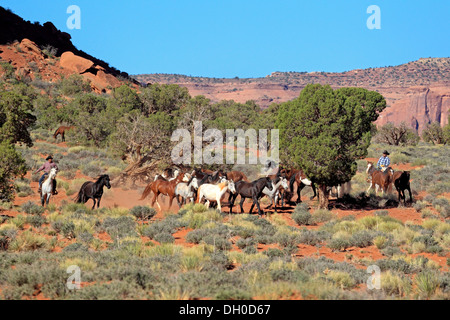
[323, 197]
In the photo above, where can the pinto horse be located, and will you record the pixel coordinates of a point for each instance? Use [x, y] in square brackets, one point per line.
[61, 131]
[300, 178]
[93, 190]
[164, 187]
[379, 179]
[401, 183]
[253, 190]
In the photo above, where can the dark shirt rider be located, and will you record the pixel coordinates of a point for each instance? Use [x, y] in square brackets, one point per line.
[46, 167]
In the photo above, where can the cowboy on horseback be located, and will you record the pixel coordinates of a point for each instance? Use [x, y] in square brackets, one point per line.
[384, 161]
[46, 167]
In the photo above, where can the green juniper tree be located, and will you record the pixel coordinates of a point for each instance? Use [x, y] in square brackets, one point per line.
[324, 132]
[15, 119]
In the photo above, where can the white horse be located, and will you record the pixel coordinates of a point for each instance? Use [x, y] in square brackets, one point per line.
[47, 187]
[213, 192]
[186, 191]
[275, 193]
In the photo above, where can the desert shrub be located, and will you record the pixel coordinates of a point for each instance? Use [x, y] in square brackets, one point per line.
[322, 215]
[342, 279]
[247, 242]
[302, 216]
[67, 228]
[30, 207]
[28, 240]
[380, 242]
[164, 238]
[74, 84]
[218, 242]
[390, 251]
[393, 284]
[362, 239]
[339, 244]
[420, 205]
[86, 237]
[92, 170]
[399, 265]
[120, 227]
[76, 247]
[143, 212]
[313, 238]
[36, 220]
[158, 228]
[274, 253]
[426, 284]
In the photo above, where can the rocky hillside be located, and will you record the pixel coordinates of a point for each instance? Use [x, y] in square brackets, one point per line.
[417, 92]
[42, 52]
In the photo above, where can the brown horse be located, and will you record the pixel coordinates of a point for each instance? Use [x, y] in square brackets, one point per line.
[236, 176]
[286, 195]
[163, 187]
[379, 179]
[61, 131]
[401, 183]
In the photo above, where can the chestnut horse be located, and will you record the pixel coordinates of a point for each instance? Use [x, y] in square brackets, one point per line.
[379, 179]
[164, 187]
[61, 130]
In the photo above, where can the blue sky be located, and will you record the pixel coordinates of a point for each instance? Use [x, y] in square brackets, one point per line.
[248, 38]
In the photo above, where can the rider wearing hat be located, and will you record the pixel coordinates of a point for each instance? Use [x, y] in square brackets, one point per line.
[384, 161]
[47, 166]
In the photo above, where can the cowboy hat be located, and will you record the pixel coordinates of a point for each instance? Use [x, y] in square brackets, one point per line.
[385, 152]
[49, 157]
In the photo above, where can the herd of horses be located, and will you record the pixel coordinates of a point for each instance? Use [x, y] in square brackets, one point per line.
[202, 185]
[205, 186]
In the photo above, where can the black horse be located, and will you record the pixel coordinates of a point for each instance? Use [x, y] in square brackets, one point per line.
[93, 190]
[251, 190]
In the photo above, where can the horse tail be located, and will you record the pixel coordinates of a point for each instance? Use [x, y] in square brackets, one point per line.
[81, 196]
[147, 191]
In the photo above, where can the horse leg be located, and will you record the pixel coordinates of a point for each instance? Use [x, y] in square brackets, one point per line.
[410, 194]
[241, 203]
[63, 138]
[155, 198]
[314, 190]
[93, 207]
[255, 201]
[170, 201]
[178, 201]
[42, 200]
[231, 201]
[299, 190]
[218, 204]
[48, 198]
[98, 202]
